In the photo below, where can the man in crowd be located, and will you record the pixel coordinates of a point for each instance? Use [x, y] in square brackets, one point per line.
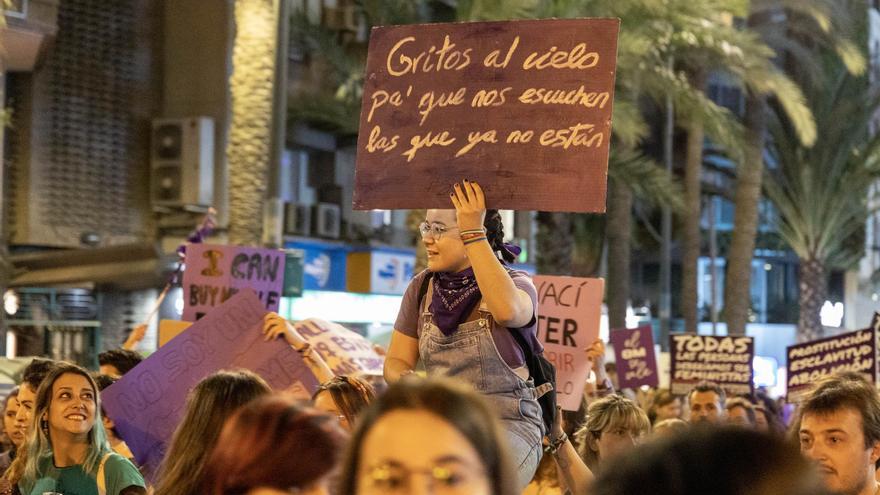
[117, 362]
[706, 401]
[740, 412]
[839, 429]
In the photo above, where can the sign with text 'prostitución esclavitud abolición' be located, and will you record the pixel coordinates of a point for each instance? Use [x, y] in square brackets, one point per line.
[521, 107]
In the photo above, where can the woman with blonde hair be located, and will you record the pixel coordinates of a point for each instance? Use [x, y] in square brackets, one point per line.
[67, 449]
[614, 425]
[210, 403]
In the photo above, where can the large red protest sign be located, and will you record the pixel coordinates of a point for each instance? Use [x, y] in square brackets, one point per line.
[726, 361]
[148, 402]
[214, 273]
[569, 310]
[522, 107]
[808, 362]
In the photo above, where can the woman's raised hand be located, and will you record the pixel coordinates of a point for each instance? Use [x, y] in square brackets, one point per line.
[275, 326]
[470, 205]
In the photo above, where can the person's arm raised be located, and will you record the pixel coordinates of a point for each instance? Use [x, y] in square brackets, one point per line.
[402, 356]
[275, 326]
[510, 307]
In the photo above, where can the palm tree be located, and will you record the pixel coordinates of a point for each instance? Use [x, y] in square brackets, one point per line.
[821, 193]
[792, 28]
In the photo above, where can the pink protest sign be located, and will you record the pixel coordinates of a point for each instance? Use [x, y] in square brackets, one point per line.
[636, 362]
[569, 309]
[149, 401]
[215, 273]
[345, 352]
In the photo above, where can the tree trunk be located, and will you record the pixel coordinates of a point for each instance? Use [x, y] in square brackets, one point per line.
[250, 130]
[618, 229]
[690, 243]
[737, 282]
[554, 243]
[813, 293]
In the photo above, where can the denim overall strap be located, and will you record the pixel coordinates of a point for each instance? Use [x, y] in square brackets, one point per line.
[470, 355]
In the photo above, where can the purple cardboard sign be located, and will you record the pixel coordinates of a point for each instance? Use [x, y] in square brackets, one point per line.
[810, 361]
[726, 361]
[214, 273]
[148, 402]
[636, 362]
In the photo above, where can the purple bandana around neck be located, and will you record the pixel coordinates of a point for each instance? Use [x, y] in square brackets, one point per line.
[453, 299]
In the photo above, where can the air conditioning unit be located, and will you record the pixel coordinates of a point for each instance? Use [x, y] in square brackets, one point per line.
[182, 162]
[297, 219]
[328, 220]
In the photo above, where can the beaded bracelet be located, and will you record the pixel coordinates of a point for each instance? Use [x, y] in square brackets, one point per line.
[475, 239]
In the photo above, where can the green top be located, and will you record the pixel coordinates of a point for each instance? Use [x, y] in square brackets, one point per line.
[119, 473]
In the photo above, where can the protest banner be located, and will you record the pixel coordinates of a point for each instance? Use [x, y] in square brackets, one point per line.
[148, 402]
[726, 361]
[521, 107]
[636, 362]
[215, 273]
[569, 309]
[808, 362]
[345, 352]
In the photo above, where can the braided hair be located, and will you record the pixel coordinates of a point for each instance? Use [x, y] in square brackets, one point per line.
[495, 235]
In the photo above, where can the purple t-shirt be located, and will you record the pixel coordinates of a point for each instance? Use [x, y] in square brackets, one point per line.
[408, 319]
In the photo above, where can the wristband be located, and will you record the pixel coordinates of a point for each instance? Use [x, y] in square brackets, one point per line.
[475, 239]
[472, 231]
[557, 443]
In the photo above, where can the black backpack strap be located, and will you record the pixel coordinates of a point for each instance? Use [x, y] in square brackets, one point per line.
[528, 356]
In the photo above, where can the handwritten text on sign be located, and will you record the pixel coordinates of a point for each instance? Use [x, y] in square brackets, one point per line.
[569, 309]
[726, 361]
[636, 362]
[215, 273]
[510, 105]
[345, 352]
[148, 402]
[810, 361]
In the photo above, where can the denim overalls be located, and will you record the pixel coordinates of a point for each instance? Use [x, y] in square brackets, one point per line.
[469, 354]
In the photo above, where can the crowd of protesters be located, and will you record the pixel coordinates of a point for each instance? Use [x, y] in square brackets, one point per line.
[468, 423]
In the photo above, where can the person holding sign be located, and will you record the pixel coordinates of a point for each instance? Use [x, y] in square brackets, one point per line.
[463, 325]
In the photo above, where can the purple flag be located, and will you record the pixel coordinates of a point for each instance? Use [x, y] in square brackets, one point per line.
[636, 362]
[148, 402]
[214, 273]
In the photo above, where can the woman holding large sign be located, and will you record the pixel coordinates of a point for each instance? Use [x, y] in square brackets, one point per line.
[460, 322]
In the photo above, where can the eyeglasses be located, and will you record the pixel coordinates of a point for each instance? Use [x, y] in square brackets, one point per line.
[434, 230]
[391, 478]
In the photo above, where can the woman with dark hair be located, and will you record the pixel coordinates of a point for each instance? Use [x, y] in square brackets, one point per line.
[468, 322]
[13, 427]
[344, 397]
[428, 432]
[210, 403]
[67, 449]
[273, 446]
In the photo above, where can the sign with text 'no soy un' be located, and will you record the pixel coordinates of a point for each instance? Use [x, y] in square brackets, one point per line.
[521, 107]
[569, 310]
[726, 361]
[214, 273]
